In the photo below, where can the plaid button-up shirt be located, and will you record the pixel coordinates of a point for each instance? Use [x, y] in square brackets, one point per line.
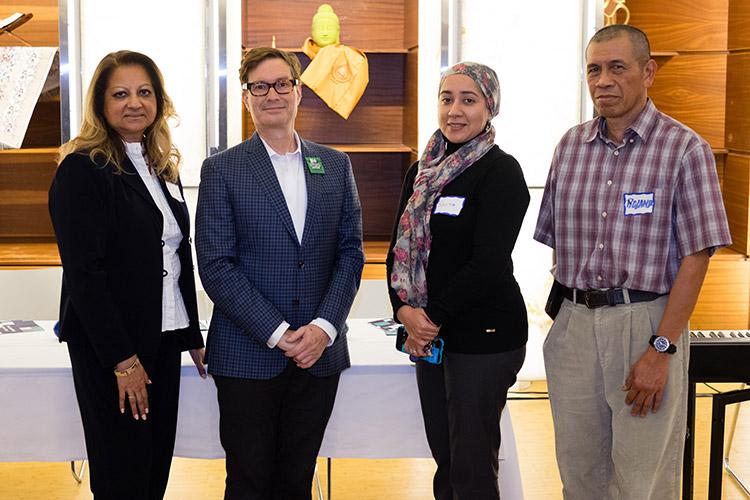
[624, 215]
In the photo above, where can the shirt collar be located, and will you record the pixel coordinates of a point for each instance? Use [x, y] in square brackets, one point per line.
[272, 153]
[641, 126]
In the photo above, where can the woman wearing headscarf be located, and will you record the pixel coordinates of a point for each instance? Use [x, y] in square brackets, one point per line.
[128, 305]
[451, 275]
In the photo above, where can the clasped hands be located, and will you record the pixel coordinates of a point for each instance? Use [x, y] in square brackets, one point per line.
[420, 329]
[305, 345]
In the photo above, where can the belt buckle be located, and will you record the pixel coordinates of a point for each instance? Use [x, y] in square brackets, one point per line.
[588, 297]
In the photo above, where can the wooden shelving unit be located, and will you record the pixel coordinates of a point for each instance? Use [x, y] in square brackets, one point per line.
[26, 235]
[380, 136]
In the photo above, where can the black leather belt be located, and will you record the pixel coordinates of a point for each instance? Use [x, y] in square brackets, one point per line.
[610, 297]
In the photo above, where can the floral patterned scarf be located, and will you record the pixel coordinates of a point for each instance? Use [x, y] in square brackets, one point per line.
[411, 250]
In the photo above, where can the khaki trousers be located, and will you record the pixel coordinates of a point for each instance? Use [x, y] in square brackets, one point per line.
[602, 451]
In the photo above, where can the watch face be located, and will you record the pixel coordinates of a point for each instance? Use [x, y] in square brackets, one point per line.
[661, 344]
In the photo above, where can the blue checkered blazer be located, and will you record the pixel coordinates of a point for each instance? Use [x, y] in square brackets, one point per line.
[258, 274]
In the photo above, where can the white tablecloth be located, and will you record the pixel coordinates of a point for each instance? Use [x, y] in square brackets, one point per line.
[376, 414]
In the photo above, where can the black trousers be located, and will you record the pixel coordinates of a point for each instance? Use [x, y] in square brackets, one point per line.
[462, 399]
[128, 458]
[271, 431]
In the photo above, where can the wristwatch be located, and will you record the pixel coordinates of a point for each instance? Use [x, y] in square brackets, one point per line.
[662, 344]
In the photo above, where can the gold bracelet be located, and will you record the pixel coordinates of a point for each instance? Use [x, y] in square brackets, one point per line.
[127, 371]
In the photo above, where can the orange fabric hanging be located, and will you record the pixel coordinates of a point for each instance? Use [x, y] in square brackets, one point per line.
[338, 74]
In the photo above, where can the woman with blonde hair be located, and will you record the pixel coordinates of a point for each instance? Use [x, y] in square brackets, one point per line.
[128, 305]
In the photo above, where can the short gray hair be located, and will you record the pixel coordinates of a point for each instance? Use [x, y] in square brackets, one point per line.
[638, 39]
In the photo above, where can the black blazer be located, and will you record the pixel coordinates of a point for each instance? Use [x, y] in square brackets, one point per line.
[471, 290]
[109, 230]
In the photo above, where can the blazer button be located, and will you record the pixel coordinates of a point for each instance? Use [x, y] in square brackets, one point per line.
[164, 273]
[295, 302]
[301, 264]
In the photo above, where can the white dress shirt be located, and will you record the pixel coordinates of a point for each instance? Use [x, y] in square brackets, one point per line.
[173, 312]
[290, 172]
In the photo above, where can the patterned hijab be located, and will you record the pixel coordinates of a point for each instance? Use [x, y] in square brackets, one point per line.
[412, 248]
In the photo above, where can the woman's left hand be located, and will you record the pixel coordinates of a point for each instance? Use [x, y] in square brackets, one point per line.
[413, 347]
[197, 355]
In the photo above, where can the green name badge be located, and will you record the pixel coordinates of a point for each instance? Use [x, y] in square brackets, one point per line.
[315, 165]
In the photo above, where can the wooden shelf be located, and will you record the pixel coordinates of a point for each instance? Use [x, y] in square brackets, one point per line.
[375, 251]
[720, 151]
[371, 148]
[29, 151]
[19, 254]
[395, 50]
[664, 53]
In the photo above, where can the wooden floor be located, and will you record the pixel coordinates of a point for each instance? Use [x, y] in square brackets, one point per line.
[390, 479]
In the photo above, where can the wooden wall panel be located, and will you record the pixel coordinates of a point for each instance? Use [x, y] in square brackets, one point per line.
[379, 178]
[720, 162]
[736, 198]
[372, 24]
[378, 117]
[739, 24]
[691, 89]
[41, 30]
[724, 301]
[411, 23]
[411, 99]
[25, 177]
[683, 25]
[738, 102]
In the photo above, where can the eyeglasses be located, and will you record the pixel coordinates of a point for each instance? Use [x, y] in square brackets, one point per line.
[259, 89]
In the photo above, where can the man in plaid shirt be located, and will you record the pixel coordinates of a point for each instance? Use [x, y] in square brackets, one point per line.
[633, 210]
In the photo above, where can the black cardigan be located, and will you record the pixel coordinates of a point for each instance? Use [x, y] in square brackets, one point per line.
[108, 231]
[472, 293]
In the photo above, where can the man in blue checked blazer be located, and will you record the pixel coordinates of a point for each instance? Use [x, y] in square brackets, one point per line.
[279, 243]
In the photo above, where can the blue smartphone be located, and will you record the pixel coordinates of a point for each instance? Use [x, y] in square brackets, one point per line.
[435, 348]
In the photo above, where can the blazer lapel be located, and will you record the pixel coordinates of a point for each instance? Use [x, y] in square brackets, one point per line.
[132, 179]
[314, 185]
[262, 169]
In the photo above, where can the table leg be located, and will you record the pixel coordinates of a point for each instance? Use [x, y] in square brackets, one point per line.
[688, 457]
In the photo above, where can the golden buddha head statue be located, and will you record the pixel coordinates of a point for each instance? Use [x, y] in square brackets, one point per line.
[325, 26]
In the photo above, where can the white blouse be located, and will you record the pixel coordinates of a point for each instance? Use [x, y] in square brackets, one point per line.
[173, 312]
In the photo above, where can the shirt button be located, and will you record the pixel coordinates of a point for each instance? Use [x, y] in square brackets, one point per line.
[601, 246]
[301, 264]
[604, 214]
[609, 182]
[599, 278]
[631, 141]
[617, 153]
[164, 273]
[295, 302]
[162, 243]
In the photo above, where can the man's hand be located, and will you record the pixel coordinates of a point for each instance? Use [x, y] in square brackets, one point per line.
[309, 343]
[646, 381]
[284, 342]
[418, 325]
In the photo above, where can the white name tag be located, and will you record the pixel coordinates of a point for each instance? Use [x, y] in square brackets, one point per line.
[174, 190]
[450, 205]
[638, 203]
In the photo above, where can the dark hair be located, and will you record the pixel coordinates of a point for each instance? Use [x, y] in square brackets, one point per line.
[638, 39]
[253, 57]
